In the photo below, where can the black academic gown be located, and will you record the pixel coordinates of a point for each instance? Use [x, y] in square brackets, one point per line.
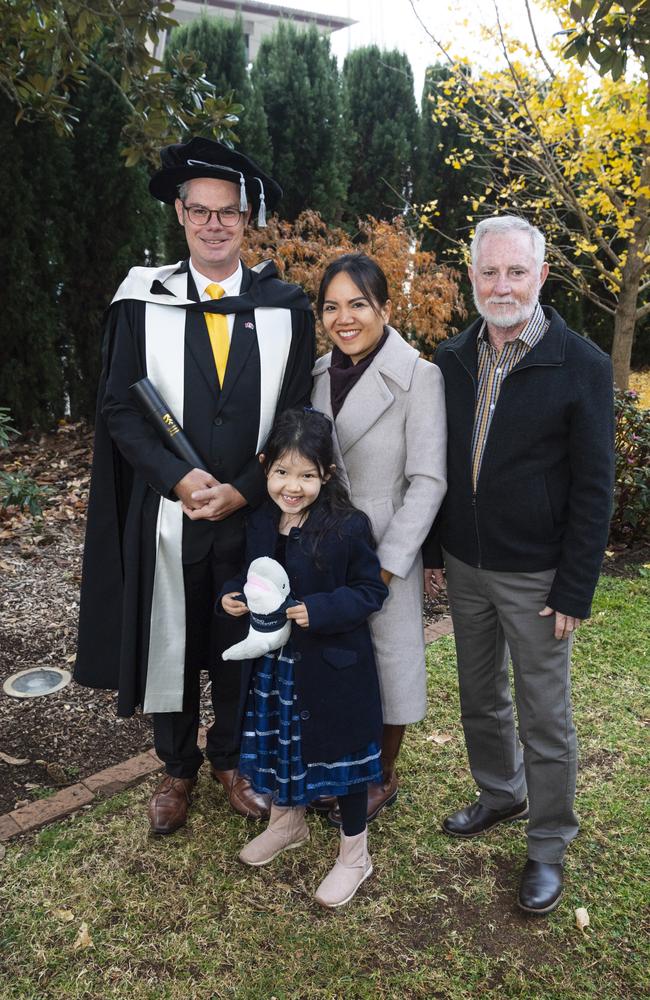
[132, 467]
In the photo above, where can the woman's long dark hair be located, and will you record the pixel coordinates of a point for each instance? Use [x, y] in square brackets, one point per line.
[364, 272]
[309, 433]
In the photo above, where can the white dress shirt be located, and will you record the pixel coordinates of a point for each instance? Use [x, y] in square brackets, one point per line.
[231, 286]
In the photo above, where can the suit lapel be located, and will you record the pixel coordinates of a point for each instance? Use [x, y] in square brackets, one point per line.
[243, 337]
[241, 344]
[198, 340]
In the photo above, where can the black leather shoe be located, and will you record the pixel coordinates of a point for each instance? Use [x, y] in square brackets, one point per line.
[540, 889]
[476, 819]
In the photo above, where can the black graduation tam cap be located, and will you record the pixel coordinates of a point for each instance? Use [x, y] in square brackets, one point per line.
[208, 158]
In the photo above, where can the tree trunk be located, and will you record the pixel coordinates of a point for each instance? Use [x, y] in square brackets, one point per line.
[633, 271]
[624, 324]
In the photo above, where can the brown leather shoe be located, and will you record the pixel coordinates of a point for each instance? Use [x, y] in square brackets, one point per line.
[169, 804]
[323, 804]
[241, 796]
[379, 797]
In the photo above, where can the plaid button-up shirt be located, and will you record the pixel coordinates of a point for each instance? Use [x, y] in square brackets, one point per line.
[492, 369]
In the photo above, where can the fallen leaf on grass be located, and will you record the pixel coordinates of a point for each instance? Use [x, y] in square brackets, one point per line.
[439, 738]
[582, 918]
[57, 774]
[84, 939]
[65, 915]
[13, 760]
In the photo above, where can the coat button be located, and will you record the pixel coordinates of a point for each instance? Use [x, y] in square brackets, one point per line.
[305, 714]
[218, 422]
[297, 657]
[294, 533]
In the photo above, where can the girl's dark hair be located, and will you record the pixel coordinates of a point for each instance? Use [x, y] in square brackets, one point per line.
[364, 272]
[309, 433]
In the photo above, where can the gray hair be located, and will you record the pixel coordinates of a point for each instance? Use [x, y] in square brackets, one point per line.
[183, 190]
[509, 224]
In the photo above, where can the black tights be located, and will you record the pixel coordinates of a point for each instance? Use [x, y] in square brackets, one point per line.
[354, 810]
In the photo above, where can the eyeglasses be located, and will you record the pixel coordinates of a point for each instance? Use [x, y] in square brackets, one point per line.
[200, 215]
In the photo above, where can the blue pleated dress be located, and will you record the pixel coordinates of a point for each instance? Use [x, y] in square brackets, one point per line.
[271, 754]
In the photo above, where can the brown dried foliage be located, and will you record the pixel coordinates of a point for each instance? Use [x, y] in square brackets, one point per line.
[425, 295]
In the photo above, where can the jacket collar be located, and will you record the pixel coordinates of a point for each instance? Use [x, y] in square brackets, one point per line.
[549, 350]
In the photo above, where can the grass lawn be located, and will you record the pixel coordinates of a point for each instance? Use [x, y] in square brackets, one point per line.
[181, 919]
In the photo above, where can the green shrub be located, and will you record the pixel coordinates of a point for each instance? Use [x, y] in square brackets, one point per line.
[7, 429]
[17, 489]
[631, 519]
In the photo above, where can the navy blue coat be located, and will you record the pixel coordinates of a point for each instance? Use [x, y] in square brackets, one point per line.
[335, 673]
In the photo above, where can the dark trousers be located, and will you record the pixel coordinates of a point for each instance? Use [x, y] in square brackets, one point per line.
[207, 635]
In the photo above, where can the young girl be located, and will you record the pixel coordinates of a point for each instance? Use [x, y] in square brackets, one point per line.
[313, 720]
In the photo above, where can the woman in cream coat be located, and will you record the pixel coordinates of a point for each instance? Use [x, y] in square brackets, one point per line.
[390, 437]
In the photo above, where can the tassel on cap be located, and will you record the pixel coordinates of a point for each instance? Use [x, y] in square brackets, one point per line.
[243, 201]
[261, 214]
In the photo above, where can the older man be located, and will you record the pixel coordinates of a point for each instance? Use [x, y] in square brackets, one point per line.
[521, 535]
[227, 347]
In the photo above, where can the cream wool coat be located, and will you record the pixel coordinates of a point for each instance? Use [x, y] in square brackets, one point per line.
[391, 445]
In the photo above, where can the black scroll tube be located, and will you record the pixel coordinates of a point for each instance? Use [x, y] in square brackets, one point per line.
[169, 430]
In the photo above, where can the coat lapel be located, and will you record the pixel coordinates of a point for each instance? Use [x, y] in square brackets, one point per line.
[371, 396]
[363, 407]
[321, 400]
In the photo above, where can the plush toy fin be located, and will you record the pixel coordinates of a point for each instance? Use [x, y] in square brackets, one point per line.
[257, 644]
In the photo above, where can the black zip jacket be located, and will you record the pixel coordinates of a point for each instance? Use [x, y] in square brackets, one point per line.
[544, 494]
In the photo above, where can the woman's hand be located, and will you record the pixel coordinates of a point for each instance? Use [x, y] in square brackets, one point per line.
[299, 615]
[232, 606]
[434, 582]
[386, 576]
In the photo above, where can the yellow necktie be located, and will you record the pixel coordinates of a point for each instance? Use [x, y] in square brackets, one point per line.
[218, 333]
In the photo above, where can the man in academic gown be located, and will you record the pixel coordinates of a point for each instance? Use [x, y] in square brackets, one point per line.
[227, 347]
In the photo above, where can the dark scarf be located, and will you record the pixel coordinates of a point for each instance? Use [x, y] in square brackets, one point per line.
[344, 374]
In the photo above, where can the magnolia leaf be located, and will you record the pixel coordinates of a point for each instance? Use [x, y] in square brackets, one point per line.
[440, 738]
[84, 939]
[16, 761]
[582, 918]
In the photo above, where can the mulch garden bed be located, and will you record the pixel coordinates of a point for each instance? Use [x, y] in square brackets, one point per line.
[50, 742]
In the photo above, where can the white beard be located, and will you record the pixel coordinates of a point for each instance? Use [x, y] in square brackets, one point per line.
[502, 316]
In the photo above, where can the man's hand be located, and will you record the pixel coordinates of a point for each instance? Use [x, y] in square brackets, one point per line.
[565, 625]
[299, 615]
[232, 606]
[386, 576]
[197, 479]
[214, 503]
[434, 582]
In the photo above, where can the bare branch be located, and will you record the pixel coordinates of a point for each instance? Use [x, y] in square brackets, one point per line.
[541, 55]
[435, 41]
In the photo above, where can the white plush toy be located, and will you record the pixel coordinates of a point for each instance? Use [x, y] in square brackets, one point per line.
[268, 596]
